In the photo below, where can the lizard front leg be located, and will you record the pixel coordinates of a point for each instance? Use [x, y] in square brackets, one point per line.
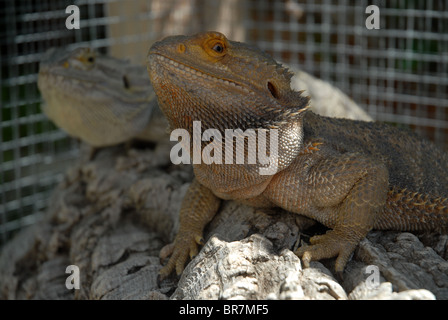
[343, 192]
[199, 206]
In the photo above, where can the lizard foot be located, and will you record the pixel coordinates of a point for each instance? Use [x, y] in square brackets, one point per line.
[329, 245]
[184, 246]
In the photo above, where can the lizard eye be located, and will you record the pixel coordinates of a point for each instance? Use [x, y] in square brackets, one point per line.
[219, 48]
[87, 59]
[215, 47]
[272, 90]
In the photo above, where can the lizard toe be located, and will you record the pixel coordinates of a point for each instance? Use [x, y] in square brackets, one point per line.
[185, 247]
[166, 251]
[166, 271]
[327, 246]
[181, 260]
[176, 262]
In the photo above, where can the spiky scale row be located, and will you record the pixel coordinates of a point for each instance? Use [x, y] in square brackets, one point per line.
[408, 210]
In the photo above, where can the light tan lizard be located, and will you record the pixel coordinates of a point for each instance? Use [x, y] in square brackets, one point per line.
[101, 100]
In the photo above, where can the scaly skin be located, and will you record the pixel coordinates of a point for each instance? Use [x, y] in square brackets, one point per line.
[351, 176]
[99, 99]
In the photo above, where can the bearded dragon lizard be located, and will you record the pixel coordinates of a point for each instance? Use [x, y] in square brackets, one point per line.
[351, 176]
[98, 99]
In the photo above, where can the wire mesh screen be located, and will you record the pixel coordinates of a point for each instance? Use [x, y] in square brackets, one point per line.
[397, 73]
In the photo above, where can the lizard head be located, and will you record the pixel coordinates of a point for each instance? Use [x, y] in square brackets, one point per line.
[225, 84]
[96, 98]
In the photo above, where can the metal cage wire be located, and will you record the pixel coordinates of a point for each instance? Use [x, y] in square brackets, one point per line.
[397, 73]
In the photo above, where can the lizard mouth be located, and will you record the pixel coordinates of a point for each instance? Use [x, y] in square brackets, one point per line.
[157, 59]
[65, 79]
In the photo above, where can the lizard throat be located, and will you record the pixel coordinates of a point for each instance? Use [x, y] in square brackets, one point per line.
[195, 74]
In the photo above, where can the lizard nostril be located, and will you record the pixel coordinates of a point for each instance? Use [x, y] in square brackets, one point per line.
[181, 48]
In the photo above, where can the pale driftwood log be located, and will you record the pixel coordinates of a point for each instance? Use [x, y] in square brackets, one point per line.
[327, 100]
[112, 215]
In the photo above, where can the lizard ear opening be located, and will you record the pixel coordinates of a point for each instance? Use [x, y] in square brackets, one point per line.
[273, 90]
[126, 82]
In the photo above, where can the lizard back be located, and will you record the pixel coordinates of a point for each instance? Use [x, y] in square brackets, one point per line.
[413, 163]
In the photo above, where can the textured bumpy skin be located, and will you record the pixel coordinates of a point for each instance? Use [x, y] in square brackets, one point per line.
[351, 176]
[98, 99]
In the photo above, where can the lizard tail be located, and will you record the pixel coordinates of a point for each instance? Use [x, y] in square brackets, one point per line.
[412, 211]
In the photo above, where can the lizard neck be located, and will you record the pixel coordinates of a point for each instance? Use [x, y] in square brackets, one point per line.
[231, 114]
[239, 89]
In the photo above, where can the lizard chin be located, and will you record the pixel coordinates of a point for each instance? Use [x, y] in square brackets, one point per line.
[240, 107]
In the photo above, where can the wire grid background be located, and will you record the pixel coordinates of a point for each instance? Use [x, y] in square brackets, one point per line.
[397, 74]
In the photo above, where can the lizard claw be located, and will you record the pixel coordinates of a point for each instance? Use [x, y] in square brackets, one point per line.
[166, 251]
[184, 246]
[327, 246]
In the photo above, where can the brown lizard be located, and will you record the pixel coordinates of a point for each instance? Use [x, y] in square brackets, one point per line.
[351, 176]
[98, 99]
